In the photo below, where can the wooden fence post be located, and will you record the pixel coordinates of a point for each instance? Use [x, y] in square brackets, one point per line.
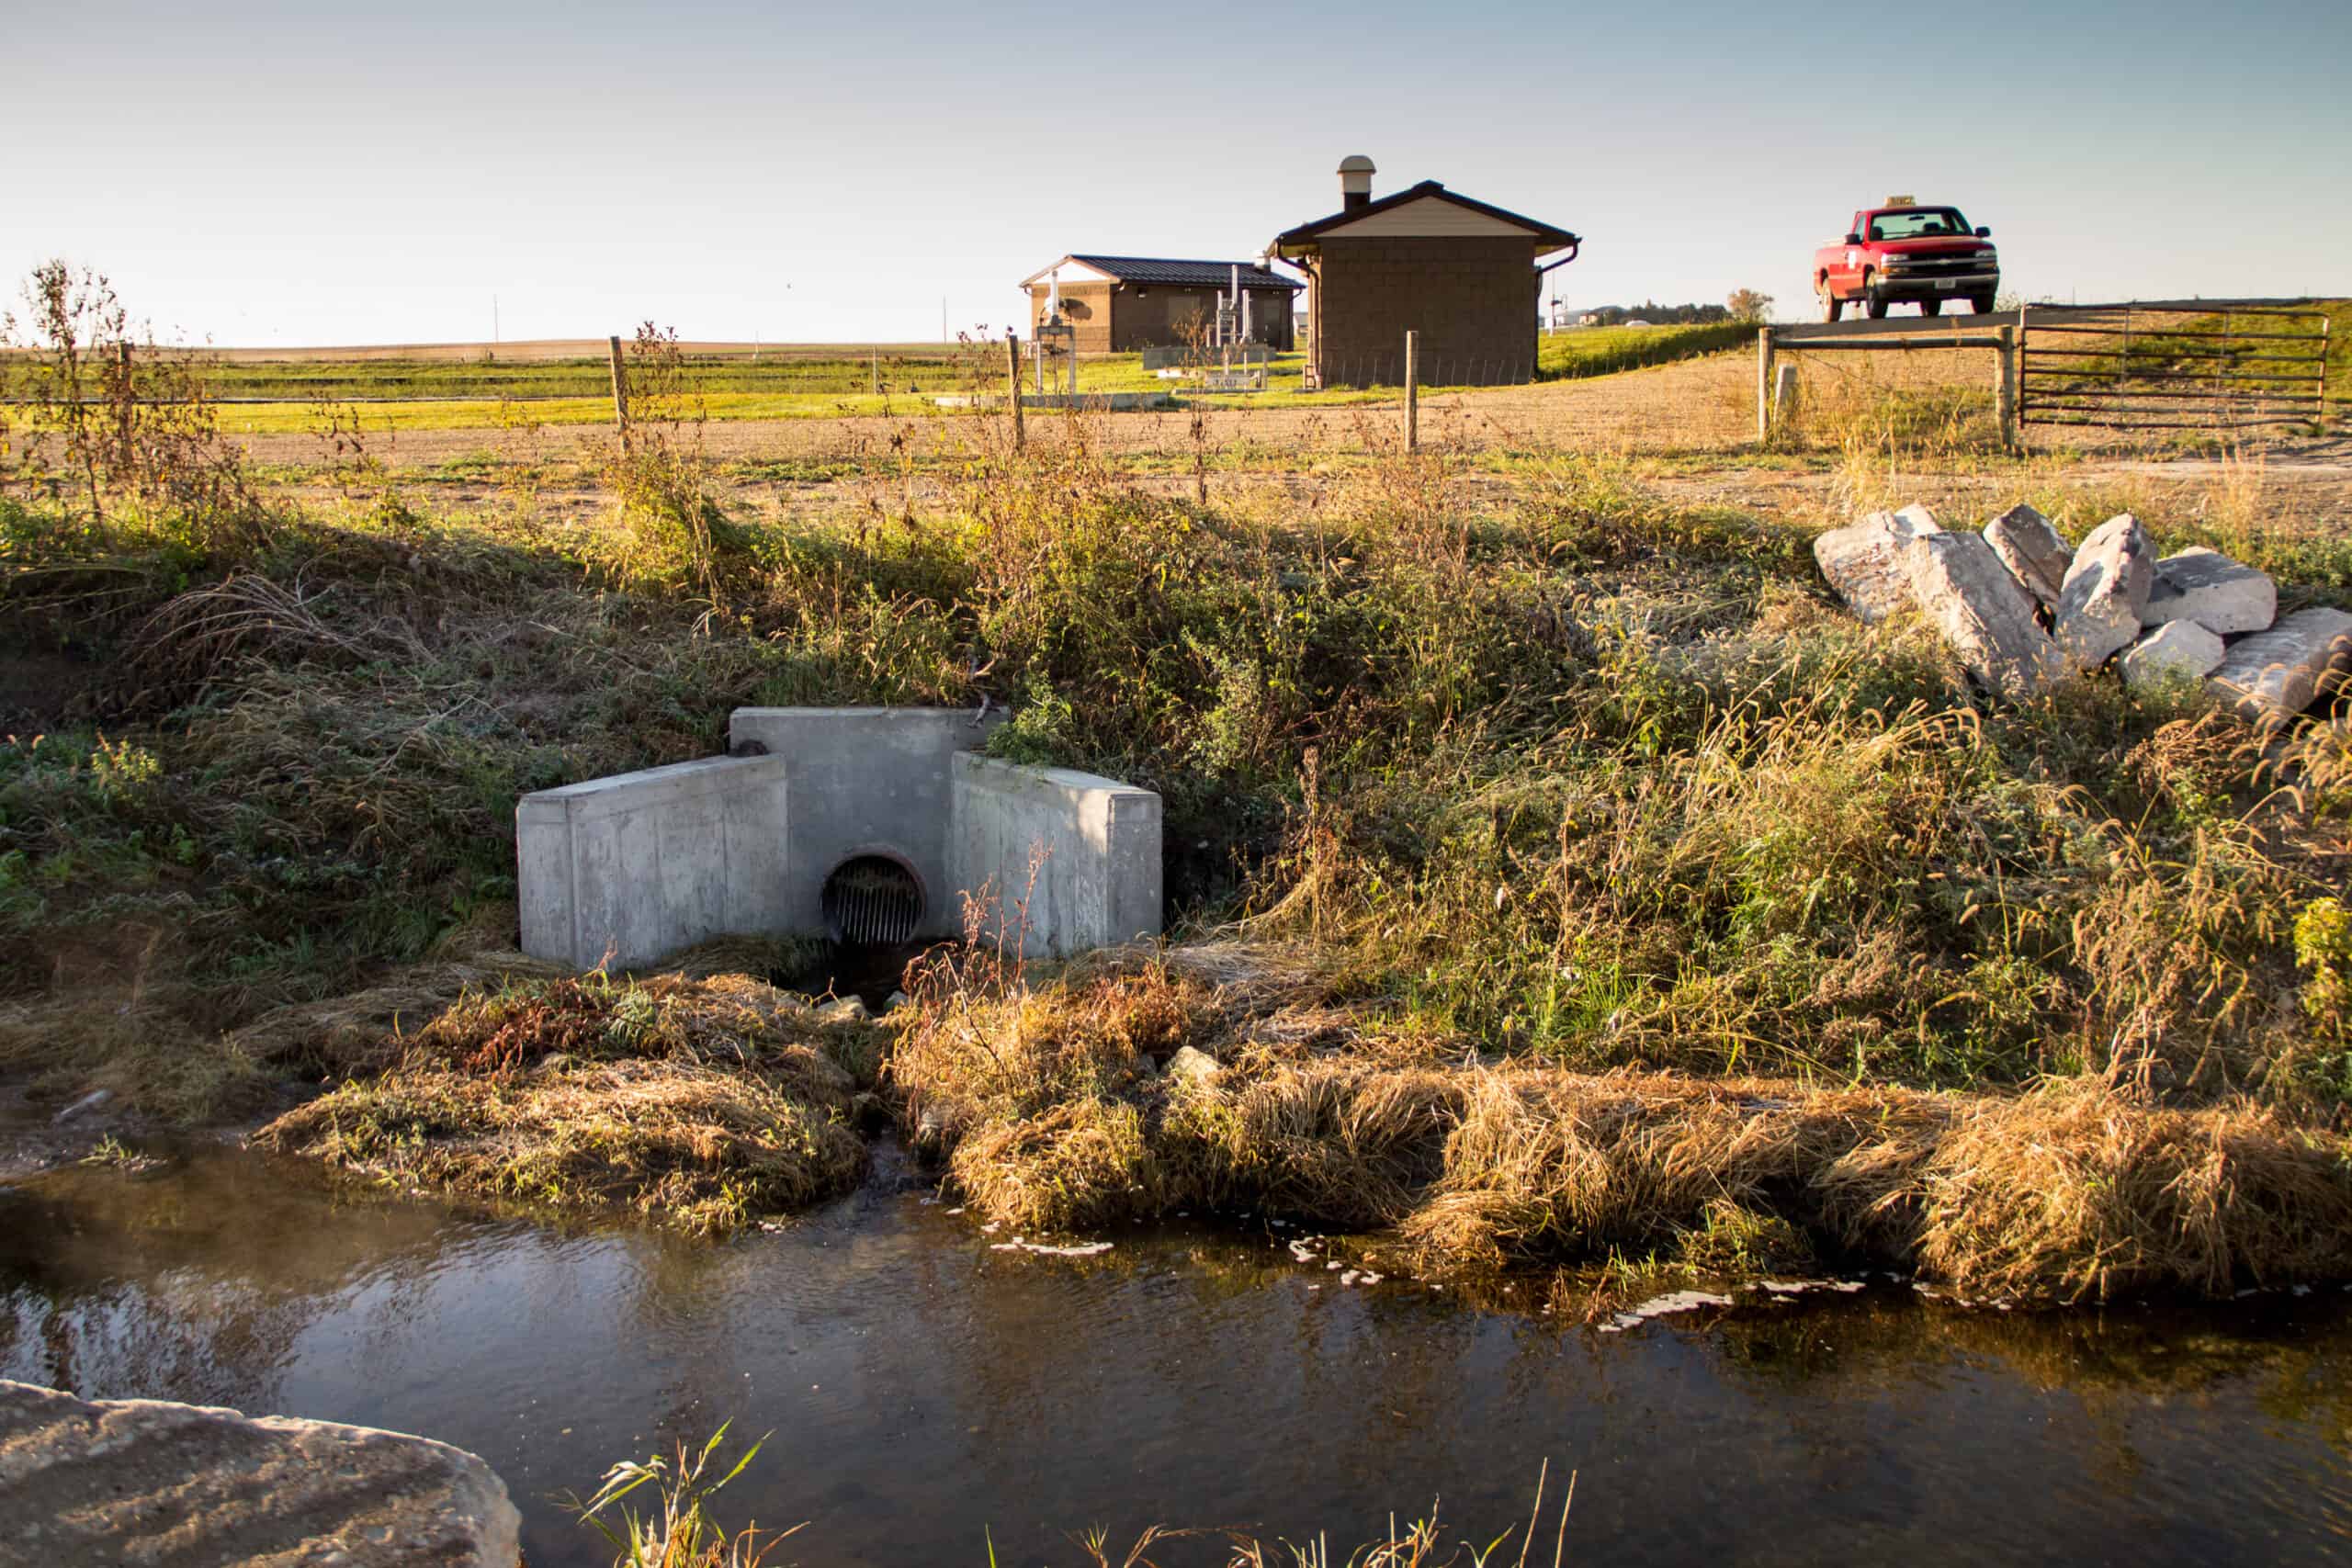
[124, 407]
[1012, 385]
[1763, 385]
[620, 389]
[2005, 387]
[1412, 391]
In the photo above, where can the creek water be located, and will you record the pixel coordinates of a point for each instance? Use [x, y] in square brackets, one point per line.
[921, 1385]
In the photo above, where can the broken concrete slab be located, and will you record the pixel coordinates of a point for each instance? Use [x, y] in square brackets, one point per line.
[2272, 676]
[2176, 651]
[1961, 586]
[2209, 588]
[133, 1480]
[2035, 552]
[2105, 590]
[1864, 561]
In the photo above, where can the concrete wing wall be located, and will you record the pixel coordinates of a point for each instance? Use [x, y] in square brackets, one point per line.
[865, 781]
[623, 870]
[1097, 882]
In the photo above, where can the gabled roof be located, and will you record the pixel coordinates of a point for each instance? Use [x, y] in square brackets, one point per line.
[1172, 274]
[1549, 237]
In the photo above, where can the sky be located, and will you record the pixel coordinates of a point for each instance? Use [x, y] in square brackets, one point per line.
[280, 173]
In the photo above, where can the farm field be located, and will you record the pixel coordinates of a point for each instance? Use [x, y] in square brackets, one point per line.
[1577, 907]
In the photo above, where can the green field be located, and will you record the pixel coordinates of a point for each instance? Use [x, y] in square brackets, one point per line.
[290, 396]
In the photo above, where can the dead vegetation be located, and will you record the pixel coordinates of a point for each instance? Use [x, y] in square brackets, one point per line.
[1054, 1109]
[699, 1103]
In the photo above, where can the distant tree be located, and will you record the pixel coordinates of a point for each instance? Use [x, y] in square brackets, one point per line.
[1747, 305]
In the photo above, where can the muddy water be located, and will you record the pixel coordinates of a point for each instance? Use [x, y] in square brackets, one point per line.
[921, 1385]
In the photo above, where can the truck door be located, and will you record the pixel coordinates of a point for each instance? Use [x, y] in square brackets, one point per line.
[1850, 258]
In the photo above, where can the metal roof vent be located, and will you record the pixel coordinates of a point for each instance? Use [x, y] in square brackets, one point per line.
[1355, 181]
[872, 901]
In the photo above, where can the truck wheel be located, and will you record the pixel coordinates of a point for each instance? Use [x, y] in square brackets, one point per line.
[1980, 303]
[1831, 306]
[1874, 306]
[1931, 307]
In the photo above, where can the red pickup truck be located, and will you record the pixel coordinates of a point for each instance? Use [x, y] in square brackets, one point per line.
[1903, 251]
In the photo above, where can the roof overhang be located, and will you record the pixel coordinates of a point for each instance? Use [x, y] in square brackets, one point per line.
[1069, 269]
[1425, 210]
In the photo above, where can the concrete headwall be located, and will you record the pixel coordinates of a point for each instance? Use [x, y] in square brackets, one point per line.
[864, 781]
[1098, 880]
[625, 869]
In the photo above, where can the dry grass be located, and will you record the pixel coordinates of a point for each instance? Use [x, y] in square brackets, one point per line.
[2084, 1188]
[701, 1102]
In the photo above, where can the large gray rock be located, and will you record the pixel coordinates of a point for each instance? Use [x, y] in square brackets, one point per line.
[2032, 547]
[2177, 650]
[2106, 589]
[2271, 676]
[2209, 588]
[144, 1481]
[1961, 585]
[1864, 563]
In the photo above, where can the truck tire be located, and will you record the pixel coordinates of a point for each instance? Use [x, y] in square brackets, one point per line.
[1980, 303]
[1831, 306]
[1874, 305]
[1931, 307]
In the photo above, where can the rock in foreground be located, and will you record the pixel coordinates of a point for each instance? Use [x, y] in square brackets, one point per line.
[2032, 547]
[1962, 587]
[2273, 675]
[2174, 651]
[140, 1481]
[1864, 563]
[2216, 593]
[2106, 591]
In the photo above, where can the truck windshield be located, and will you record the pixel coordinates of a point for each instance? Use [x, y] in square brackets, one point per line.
[1918, 223]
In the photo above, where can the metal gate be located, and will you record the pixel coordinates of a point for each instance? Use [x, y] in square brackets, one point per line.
[2211, 365]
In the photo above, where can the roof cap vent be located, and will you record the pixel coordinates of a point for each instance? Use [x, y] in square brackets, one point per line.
[1355, 181]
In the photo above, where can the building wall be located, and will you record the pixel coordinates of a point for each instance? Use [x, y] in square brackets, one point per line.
[1114, 320]
[1086, 306]
[1471, 297]
[1155, 317]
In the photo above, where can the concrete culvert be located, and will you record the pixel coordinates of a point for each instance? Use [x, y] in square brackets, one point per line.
[872, 901]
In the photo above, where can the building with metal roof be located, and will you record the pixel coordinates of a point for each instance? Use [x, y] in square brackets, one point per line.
[1121, 303]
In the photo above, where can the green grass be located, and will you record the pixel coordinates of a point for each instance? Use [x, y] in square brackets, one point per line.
[1604, 351]
[284, 397]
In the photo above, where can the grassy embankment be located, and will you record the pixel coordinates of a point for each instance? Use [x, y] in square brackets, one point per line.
[264, 397]
[1602, 887]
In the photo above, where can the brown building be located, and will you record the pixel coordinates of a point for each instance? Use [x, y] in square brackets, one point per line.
[1465, 275]
[1122, 303]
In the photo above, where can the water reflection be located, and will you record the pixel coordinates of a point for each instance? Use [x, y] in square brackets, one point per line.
[922, 1384]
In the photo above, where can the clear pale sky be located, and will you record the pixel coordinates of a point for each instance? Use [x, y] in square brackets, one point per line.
[257, 173]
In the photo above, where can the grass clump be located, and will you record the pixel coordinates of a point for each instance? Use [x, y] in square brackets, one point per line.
[2084, 1188]
[700, 1102]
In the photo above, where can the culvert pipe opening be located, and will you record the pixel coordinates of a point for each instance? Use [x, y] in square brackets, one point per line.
[872, 901]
